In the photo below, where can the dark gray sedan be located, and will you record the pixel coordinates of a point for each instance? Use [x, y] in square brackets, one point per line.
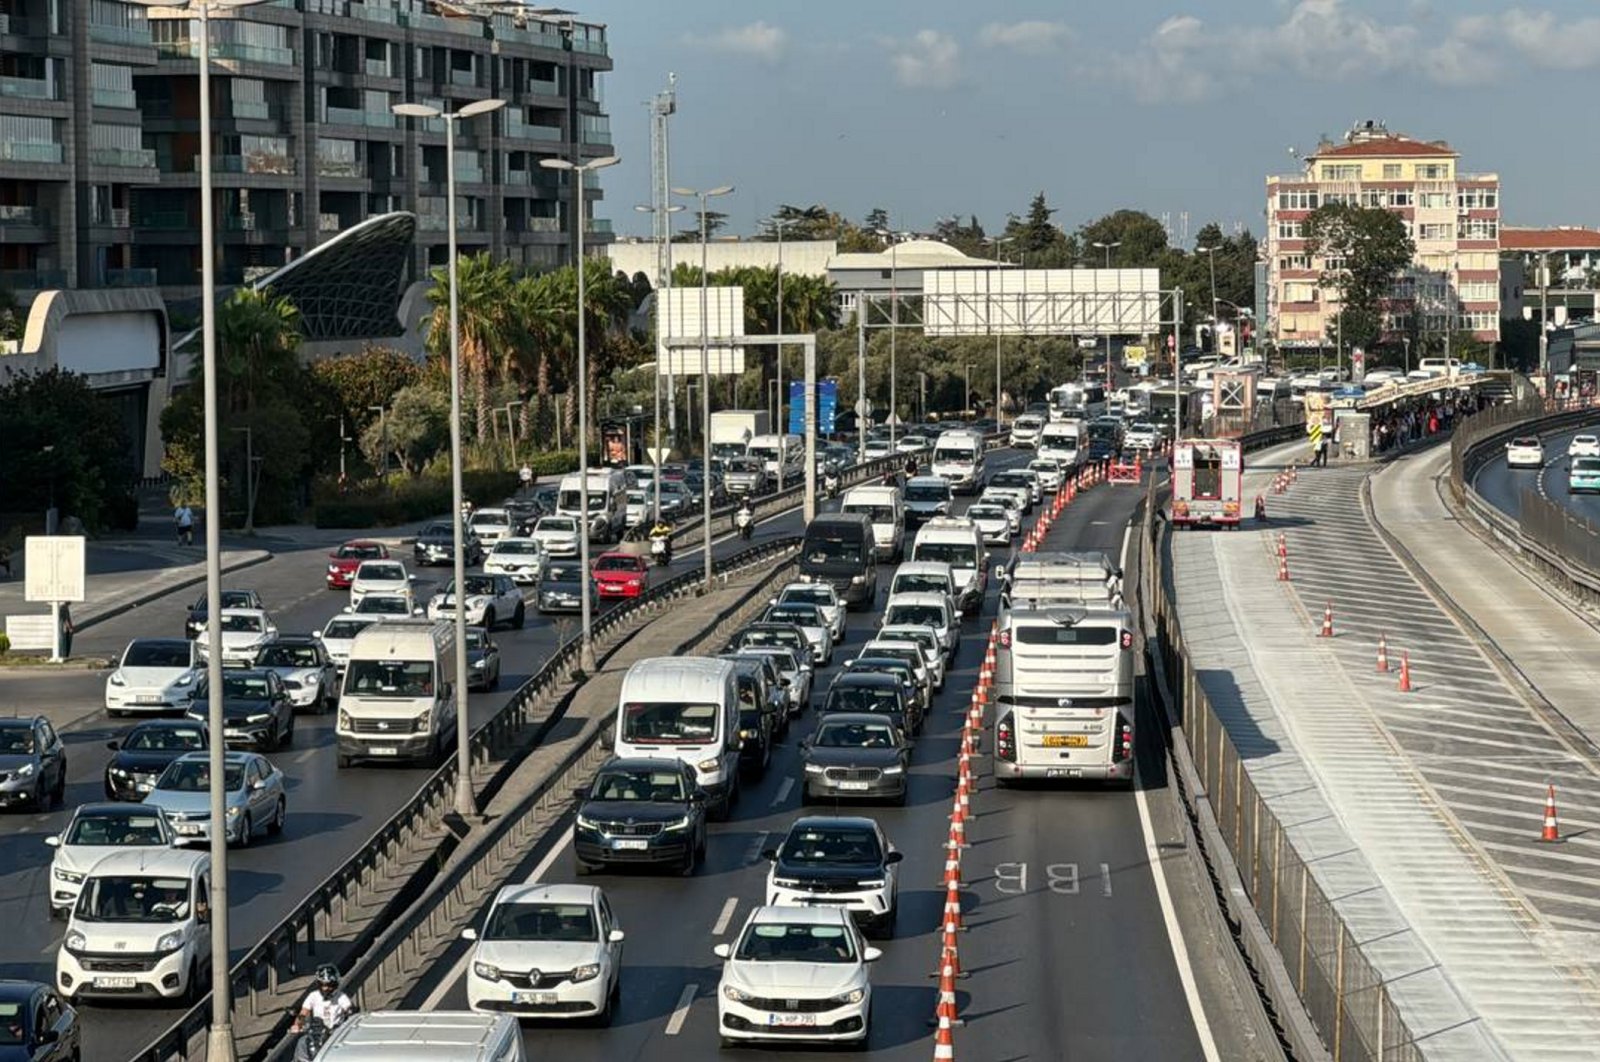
[855, 756]
[33, 763]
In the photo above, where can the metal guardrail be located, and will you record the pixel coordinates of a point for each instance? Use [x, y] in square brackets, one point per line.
[1342, 993]
[290, 949]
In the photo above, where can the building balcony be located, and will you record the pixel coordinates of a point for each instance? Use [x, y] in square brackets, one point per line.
[466, 79]
[338, 168]
[257, 110]
[467, 27]
[123, 98]
[524, 131]
[17, 26]
[126, 158]
[131, 278]
[359, 117]
[32, 279]
[600, 225]
[115, 218]
[371, 13]
[164, 220]
[539, 87]
[23, 216]
[265, 165]
[329, 223]
[243, 53]
[127, 36]
[28, 88]
[432, 222]
[537, 38]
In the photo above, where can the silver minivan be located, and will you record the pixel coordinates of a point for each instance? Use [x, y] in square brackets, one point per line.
[425, 1036]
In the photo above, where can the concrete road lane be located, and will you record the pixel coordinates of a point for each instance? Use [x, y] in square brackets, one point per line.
[1068, 954]
[1502, 486]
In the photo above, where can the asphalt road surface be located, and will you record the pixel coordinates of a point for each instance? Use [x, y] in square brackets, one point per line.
[1502, 486]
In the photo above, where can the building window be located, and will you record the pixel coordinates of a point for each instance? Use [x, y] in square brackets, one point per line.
[1289, 230]
[1341, 172]
[1400, 197]
[113, 85]
[1479, 291]
[1435, 201]
[337, 158]
[1433, 171]
[1391, 171]
[1479, 321]
[1298, 199]
[1294, 261]
[1330, 198]
[1435, 230]
[1300, 291]
[1478, 199]
[1480, 229]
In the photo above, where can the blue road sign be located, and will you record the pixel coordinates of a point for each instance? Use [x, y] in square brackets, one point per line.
[827, 406]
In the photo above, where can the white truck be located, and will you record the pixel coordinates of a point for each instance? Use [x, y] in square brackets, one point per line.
[608, 502]
[732, 430]
[398, 701]
[788, 450]
[958, 458]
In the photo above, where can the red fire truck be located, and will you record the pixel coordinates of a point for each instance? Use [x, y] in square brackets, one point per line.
[1207, 483]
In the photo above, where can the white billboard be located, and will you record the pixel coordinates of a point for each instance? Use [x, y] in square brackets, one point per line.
[724, 318]
[1041, 302]
[55, 568]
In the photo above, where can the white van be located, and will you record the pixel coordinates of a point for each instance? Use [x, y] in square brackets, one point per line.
[1061, 441]
[397, 700]
[958, 458]
[141, 928]
[956, 541]
[883, 506]
[685, 708]
[608, 502]
[772, 449]
[425, 1036]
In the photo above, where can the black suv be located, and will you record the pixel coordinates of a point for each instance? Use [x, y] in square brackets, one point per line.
[256, 711]
[641, 811]
[436, 544]
[195, 625]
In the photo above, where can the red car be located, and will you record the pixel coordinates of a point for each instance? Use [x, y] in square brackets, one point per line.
[621, 575]
[343, 562]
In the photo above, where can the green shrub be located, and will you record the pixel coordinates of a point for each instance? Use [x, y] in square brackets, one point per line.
[404, 500]
[5, 643]
[121, 512]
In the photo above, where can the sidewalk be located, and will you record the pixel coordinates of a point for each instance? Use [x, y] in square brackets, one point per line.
[1421, 810]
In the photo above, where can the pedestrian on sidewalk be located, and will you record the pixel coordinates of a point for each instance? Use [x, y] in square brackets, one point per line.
[183, 516]
[66, 630]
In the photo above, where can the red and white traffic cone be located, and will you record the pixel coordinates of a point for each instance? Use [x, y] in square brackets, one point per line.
[952, 907]
[1283, 569]
[1383, 655]
[952, 869]
[1283, 544]
[944, 1049]
[1327, 622]
[1294, 472]
[1405, 672]
[1551, 832]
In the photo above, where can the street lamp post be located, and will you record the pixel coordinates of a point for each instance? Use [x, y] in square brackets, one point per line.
[664, 256]
[999, 412]
[705, 375]
[219, 1045]
[967, 401]
[466, 804]
[778, 357]
[894, 325]
[1107, 247]
[580, 221]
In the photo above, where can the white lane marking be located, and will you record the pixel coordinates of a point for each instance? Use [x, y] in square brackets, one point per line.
[680, 1014]
[725, 917]
[459, 970]
[783, 792]
[757, 843]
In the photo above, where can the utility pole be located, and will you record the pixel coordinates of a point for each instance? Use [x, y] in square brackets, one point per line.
[662, 107]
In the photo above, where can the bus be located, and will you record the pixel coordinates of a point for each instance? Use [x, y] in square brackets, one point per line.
[1063, 684]
[1077, 401]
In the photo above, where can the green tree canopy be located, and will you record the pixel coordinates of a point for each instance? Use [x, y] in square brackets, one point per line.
[1364, 249]
[61, 439]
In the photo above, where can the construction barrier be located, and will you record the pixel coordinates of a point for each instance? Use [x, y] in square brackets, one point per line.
[1121, 472]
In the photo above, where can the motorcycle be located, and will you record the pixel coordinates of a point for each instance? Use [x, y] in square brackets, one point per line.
[744, 522]
[311, 1040]
[661, 549]
[830, 485]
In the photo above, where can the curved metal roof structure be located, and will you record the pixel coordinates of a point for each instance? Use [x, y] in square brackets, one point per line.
[350, 287]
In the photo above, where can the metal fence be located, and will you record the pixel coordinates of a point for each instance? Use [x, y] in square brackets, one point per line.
[1342, 992]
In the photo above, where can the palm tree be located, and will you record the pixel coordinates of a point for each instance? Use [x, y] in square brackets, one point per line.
[486, 324]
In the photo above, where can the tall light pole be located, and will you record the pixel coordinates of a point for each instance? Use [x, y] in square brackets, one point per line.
[661, 350]
[1108, 247]
[580, 221]
[466, 804]
[999, 412]
[705, 374]
[778, 358]
[894, 325]
[219, 1044]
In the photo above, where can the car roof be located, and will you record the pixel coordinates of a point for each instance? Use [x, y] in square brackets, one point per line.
[244, 612]
[17, 722]
[641, 763]
[230, 757]
[17, 991]
[536, 891]
[866, 678]
[296, 639]
[154, 861]
[916, 597]
[811, 916]
[121, 808]
[159, 641]
[364, 542]
[165, 724]
[819, 822]
[861, 718]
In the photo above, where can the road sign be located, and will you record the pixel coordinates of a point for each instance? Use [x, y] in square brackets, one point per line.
[827, 406]
[658, 454]
[55, 568]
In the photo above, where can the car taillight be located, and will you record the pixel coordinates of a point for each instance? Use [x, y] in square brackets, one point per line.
[1005, 639]
[1005, 741]
[1124, 747]
[1127, 639]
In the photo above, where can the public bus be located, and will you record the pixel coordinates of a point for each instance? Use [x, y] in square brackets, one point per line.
[1077, 401]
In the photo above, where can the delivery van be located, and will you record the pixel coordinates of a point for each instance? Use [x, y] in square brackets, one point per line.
[398, 699]
[884, 507]
[685, 708]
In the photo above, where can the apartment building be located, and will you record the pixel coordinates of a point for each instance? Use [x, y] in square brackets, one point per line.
[1453, 216]
[100, 134]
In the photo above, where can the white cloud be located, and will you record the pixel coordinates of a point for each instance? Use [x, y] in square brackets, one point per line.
[1545, 41]
[1030, 37]
[757, 40]
[930, 59]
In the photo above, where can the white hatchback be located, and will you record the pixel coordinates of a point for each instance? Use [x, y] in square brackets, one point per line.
[154, 675]
[379, 577]
[547, 951]
[1584, 446]
[795, 973]
[825, 597]
[1525, 451]
[520, 558]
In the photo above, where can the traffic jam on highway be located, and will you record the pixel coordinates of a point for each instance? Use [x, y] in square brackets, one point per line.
[838, 700]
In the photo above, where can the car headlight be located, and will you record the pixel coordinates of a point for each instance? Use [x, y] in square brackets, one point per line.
[812, 768]
[708, 765]
[344, 721]
[478, 664]
[857, 580]
[894, 770]
[586, 824]
[26, 770]
[424, 718]
[71, 877]
[487, 971]
[259, 717]
[170, 942]
[116, 679]
[738, 995]
[855, 995]
[235, 812]
[75, 941]
[749, 735]
[876, 883]
[333, 569]
[184, 679]
[586, 972]
[680, 824]
[118, 772]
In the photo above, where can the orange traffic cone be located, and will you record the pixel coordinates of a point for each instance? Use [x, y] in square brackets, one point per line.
[1283, 544]
[1294, 473]
[1383, 655]
[952, 907]
[1552, 827]
[1405, 672]
[952, 869]
[943, 1046]
[1327, 622]
[1283, 569]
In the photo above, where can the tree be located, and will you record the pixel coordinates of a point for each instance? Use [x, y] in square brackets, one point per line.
[715, 222]
[486, 326]
[877, 219]
[1363, 249]
[1143, 239]
[814, 222]
[12, 318]
[354, 383]
[415, 430]
[969, 239]
[62, 440]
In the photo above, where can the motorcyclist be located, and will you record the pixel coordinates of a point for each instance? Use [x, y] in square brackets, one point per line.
[744, 517]
[911, 466]
[324, 1003]
[661, 541]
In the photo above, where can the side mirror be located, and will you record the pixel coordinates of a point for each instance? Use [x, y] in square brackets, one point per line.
[113, 745]
[258, 785]
[872, 954]
[805, 747]
[348, 608]
[416, 612]
[48, 1036]
[317, 635]
[54, 840]
[608, 740]
[893, 857]
[469, 934]
[202, 913]
[769, 854]
[722, 951]
[616, 936]
[581, 792]
[698, 797]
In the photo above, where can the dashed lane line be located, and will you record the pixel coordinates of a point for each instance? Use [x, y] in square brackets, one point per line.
[784, 789]
[680, 1013]
[728, 909]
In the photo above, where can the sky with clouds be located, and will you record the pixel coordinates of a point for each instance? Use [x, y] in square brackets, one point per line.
[933, 108]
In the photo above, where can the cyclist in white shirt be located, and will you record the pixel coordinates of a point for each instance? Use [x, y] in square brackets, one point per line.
[324, 1003]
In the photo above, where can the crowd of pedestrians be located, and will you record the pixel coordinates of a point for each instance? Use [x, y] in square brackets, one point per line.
[1409, 421]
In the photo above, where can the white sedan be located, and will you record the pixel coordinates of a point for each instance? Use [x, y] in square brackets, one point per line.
[825, 597]
[379, 577]
[547, 951]
[1525, 452]
[1050, 475]
[491, 599]
[810, 620]
[796, 973]
[994, 522]
[520, 558]
[154, 675]
[1584, 446]
[245, 632]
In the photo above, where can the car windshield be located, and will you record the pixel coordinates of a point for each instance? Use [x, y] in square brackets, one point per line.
[133, 899]
[1010, 479]
[194, 776]
[918, 492]
[561, 525]
[669, 723]
[342, 630]
[767, 636]
[116, 830]
[390, 678]
[908, 653]
[922, 615]
[955, 554]
[564, 575]
[491, 518]
[13, 1024]
[438, 531]
[919, 634]
[617, 564]
[382, 573]
[1525, 442]
[854, 736]
[165, 739]
[383, 605]
[476, 585]
[245, 687]
[1586, 464]
[925, 584]
[825, 550]
[743, 464]
[863, 699]
[803, 614]
[242, 623]
[231, 599]
[663, 787]
[832, 844]
[878, 514]
[800, 942]
[372, 552]
[986, 512]
[157, 654]
[521, 547]
[811, 595]
[288, 656]
[476, 638]
[16, 739]
[567, 922]
[597, 499]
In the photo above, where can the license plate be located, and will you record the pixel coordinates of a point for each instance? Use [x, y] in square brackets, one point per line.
[791, 1020]
[384, 750]
[537, 999]
[1066, 741]
[146, 699]
[1063, 772]
[613, 588]
[854, 787]
[114, 982]
[188, 829]
[628, 844]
